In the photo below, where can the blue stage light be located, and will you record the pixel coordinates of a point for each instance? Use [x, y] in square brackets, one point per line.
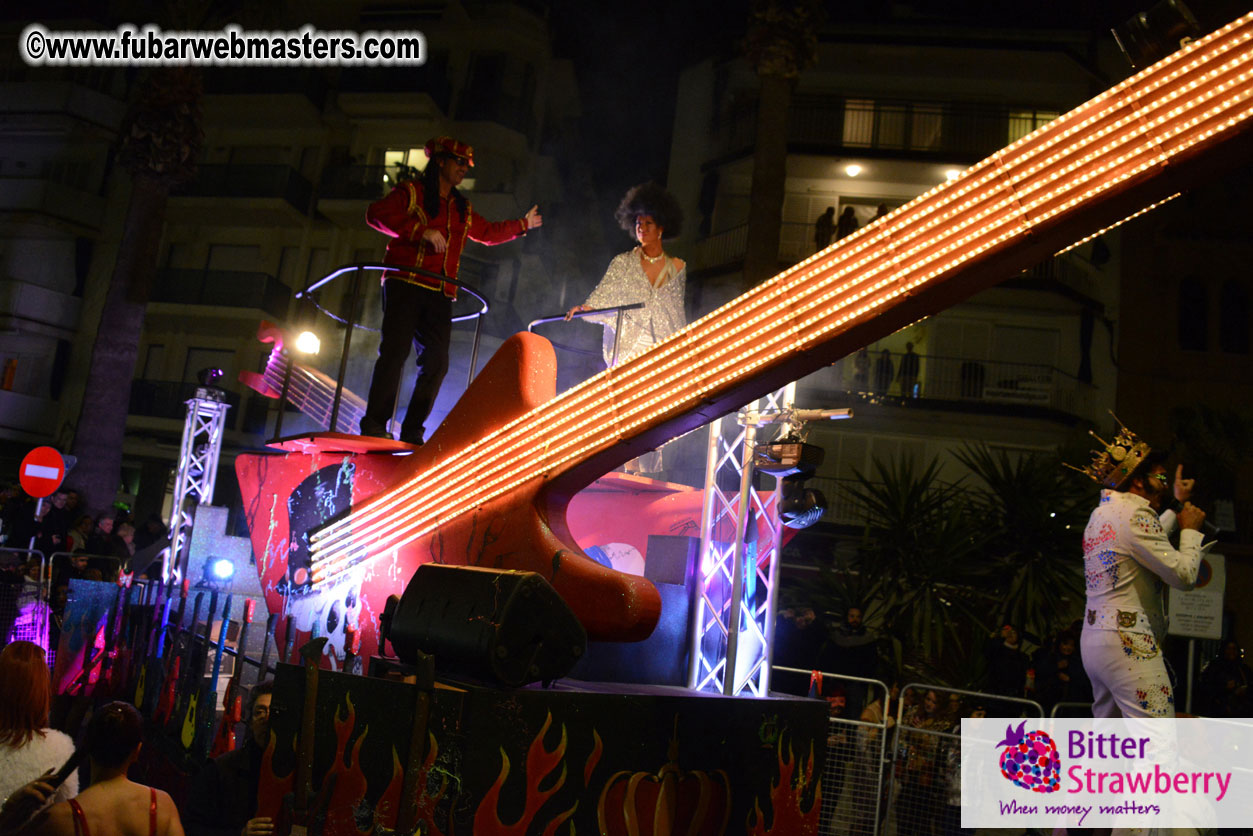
[223, 569]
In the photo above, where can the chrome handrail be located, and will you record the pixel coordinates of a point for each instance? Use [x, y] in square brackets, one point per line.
[357, 269]
[617, 329]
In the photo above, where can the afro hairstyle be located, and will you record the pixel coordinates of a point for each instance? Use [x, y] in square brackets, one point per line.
[650, 199]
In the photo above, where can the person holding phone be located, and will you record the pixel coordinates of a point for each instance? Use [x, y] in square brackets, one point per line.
[29, 750]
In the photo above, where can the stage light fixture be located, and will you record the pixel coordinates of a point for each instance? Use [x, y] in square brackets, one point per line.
[800, 507]
[792, 461]
[209, 376]
[852, 170]
[222, 569]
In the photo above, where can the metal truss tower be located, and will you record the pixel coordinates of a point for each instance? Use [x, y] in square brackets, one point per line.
[734, 617]
[197, 471]
[740, 546]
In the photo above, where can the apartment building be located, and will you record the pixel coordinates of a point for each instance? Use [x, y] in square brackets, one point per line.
[884, 115]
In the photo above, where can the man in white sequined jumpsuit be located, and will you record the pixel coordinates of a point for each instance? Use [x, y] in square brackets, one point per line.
[1127, 557]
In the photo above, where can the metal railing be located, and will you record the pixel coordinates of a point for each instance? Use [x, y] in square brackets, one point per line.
[245, 180]
[720, 249]
[617, 328]
[891, 768]
[857, 753]
[25, 601]
[964, 379]
[358, 271]
[934, 128]
[168, 399]
[924, 780]
[360, 182]
[163, 650]
[223, 288]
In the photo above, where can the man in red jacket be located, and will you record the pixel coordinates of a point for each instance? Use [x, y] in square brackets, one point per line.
[428, 222]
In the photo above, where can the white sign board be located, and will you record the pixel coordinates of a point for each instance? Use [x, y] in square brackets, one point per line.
[1199, 613]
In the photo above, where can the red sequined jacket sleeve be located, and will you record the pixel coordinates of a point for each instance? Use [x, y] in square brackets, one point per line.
[402, 217]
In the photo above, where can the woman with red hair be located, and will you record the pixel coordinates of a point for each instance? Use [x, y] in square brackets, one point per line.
[28, 748]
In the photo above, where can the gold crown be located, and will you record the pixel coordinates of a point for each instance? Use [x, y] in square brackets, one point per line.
[1112, 466]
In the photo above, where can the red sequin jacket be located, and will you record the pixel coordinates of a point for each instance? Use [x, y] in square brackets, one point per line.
[401, 216]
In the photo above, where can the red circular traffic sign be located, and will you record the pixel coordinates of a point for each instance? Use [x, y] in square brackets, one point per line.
[41, 472]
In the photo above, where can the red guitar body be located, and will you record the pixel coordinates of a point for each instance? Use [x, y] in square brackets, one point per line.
[523, 529]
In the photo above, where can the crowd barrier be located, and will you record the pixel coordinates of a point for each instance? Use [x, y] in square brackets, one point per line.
[899, 773]
[25, 592]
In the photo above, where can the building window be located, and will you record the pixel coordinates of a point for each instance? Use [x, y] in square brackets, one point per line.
[401, 164]
[913, 126]
[1023, 122]
[1193, 315]
[500, 89]
[154, 363]
[1233, 318]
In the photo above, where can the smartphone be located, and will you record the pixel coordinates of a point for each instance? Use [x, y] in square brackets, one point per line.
[67, 769]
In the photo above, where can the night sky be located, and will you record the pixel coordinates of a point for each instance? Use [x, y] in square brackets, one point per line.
[629, 56]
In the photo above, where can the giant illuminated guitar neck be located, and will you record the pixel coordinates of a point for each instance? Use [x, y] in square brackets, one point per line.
[1140, 141]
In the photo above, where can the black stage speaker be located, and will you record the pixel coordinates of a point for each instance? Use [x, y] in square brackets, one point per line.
[491, 624]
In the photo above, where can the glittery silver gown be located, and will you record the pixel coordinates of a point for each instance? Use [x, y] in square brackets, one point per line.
[624, 283]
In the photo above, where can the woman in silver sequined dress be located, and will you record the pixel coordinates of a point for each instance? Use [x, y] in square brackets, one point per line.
[644, 274]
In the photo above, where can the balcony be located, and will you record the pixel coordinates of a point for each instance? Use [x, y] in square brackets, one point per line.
[27, 418]
[72, 96]
[345, 190]
[357, 182]
[940, 130]
[261, 195]
[957, 383]
[1068, 274]
[1072, 276]
[77, 211]
[222, 288]
[396, 91]
[26, 304]
[167, 399]
[306, 84]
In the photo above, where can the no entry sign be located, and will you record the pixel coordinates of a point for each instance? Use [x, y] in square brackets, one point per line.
[41, 472]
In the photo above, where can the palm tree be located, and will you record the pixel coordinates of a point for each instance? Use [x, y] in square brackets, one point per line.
[1035, 512]
[782, 40]
[939, 565]
[1216, 444]
[160, 142]
[921, 573]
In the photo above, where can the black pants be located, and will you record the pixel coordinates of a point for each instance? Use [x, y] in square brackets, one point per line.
[424, 316]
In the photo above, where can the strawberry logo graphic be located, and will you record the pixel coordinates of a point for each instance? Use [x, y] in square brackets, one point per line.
[1030, 759]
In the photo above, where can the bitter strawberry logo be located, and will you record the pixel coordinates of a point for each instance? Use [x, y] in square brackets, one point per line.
[1030, 759]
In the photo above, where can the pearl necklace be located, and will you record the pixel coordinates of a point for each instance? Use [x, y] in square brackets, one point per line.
[652, 259]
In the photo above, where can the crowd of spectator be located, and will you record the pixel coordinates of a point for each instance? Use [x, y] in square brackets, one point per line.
[61, 525]
[1019, 665]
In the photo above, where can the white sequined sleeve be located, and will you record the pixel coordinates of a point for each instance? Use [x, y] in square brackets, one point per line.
[1153, 550]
